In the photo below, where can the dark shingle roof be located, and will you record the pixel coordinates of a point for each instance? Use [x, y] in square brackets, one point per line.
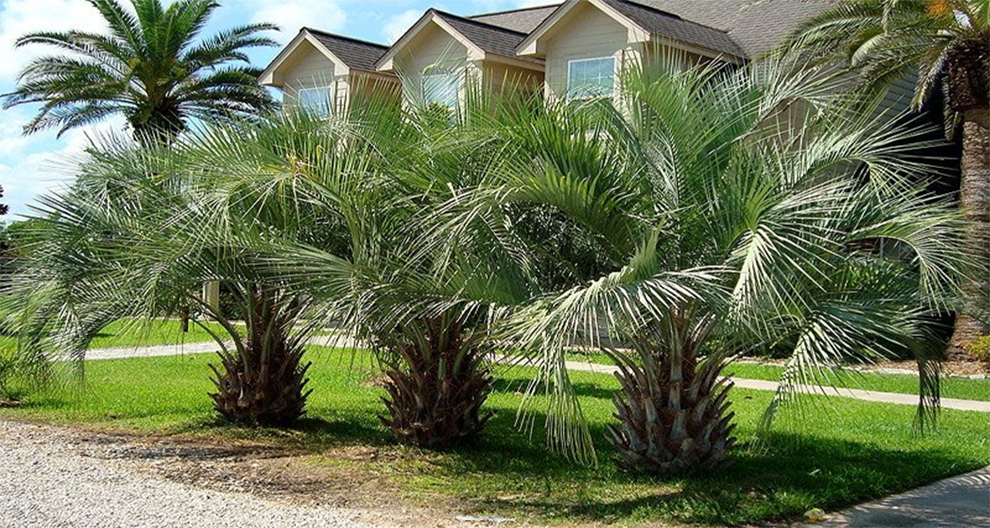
[356, 54]
[757, 26]
[490, 38]
[670, 25]
[522, 20]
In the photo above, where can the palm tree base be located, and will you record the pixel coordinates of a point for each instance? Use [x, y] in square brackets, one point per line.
[432, 404]
[665, 430]
[272, 394]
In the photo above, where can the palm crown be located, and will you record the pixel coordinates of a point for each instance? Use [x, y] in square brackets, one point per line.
[889, 40]
[150, 67]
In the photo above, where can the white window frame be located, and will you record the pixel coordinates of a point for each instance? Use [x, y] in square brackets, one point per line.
[322, 112]
[457, 75]
[570, 68]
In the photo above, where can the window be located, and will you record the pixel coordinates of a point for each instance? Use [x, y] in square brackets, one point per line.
[442, 89]
[316, 100]
[591, 77]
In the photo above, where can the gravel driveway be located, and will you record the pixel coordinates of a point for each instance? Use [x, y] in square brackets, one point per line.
[47, 479]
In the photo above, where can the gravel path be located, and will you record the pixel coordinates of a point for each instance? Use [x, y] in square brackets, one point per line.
[48, 479]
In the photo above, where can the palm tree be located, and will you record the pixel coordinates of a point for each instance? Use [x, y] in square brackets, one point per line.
[946, 43]
[142, 227]
[153, 68]
[426, 313]
[696, 224]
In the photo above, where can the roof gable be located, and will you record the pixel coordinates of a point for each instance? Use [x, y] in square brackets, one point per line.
[345, 53]
[356, 54]
[644, 22]
[479, 37]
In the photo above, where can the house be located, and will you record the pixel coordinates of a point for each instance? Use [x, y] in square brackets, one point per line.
[321, 71]
[438, 55]
[572, 49]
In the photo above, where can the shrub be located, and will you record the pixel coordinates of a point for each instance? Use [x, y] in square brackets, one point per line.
[979, 348]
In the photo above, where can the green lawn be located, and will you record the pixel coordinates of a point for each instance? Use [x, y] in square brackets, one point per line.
[134, 333]
[952, 387]
[129, 332]
[826, 456]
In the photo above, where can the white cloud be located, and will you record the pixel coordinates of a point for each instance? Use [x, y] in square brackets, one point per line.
[398, 24]
[25, 175]
[18, 17]
[291, 15]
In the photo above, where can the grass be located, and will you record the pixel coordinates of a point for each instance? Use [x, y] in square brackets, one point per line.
[132, 332]
[135, 333]
[829, 455]
[952, 387]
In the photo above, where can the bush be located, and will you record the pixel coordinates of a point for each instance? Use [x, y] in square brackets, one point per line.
[979, 348]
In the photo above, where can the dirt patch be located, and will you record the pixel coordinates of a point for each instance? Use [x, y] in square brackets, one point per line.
[954, 367]
[265, 470]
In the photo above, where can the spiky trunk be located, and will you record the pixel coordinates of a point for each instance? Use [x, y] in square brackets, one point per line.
[673, 410]
[262, 380]
[968, 94]
[437, 383]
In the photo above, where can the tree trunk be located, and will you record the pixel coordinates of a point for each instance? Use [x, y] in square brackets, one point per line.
[437, 385]
[264, 381]
[975, 202]
[673, 410]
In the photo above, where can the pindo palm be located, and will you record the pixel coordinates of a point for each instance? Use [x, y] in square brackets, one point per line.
[694, 221]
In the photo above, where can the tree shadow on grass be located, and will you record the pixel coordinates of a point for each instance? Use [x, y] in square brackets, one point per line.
[581, 389]
[800, 472]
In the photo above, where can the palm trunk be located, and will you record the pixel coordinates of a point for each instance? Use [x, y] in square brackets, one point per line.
[263, 381]
[975, 201]
[673, 409]
[437, 385]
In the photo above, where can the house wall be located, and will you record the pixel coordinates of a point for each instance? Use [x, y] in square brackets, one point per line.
[586, 32]
[898, 99]
[311, 69]
[432, 48]
[498, 75]
[655, 53]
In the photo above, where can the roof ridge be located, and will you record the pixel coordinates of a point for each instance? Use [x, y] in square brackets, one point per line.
[344, 37]
[516, 10]
[477, 22]
[672, 15]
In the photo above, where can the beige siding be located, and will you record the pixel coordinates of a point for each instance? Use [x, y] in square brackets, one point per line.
[584, 33]
[310, 68]
[498, 75]
[433, 49]
[656, 54]
[365, 85]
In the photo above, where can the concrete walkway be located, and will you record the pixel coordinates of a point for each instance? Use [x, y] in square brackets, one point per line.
[958, 502]
[858, 394]
[580, 366]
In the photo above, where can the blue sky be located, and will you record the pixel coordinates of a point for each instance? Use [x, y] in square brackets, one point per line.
[32, 165]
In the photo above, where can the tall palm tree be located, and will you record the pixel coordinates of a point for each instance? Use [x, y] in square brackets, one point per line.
[153, 67]
[946, 43]
[697, 223]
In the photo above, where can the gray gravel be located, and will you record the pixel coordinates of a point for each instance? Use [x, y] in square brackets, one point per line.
[47, 480]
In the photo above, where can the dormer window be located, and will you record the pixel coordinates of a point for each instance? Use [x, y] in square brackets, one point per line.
[442, 89]
[316, 101]
[591, 77]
